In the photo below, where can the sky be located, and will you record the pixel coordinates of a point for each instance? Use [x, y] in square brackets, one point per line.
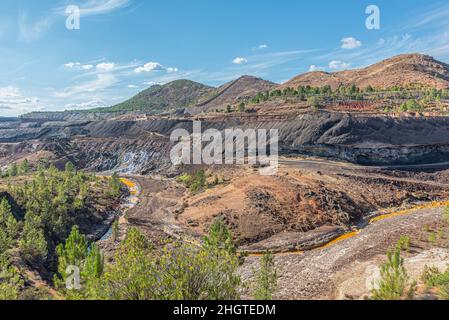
[122, 47]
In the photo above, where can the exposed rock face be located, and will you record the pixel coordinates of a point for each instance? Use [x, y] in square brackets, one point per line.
[402, 70]
[296, 241]
[238, 90]
[137, 146]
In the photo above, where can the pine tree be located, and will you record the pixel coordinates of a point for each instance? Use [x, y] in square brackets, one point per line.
[266, 278]
[13, 170]
[115, 231]
[446, 214]
[220, 237]
[73, 252]
[33, 244]
[94, 263]
[115, 185]
[395, 283]
[10, 280]
[24, 167]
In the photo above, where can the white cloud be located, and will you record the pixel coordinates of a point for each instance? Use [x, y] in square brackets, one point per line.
[97, 7]
[132, 86]
[14, 103]
[314, 68]
[170, 70]
[102, 82]
[79, 66]
[95, 103]
[261, 47]
[151, 83]
[33, 30]
[154, 66]
[105, 66]
[240, 60]
[9, 92]
[148, 67]
[350, 43]
[337, 64]
[71, 65]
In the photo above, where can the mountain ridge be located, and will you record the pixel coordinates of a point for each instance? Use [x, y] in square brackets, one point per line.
[405, 70]
[401, 70]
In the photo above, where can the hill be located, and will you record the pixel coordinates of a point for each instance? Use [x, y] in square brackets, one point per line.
[174, 95]
[403, 70]
[181, 94]
[231, 93]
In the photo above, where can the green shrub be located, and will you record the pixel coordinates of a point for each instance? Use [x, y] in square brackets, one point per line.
[404, 243]
[179, 271]
[77, 252]
[115, 185]
[432, 237]
[432, 277]
[195, 182]
[266, 278]
[395, 283]
[314, 102]
[11, 282]
[446, 214]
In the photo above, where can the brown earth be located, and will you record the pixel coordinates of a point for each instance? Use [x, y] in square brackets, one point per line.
[268, 212]
[236, 91]
[274, 219]
[346, 269]
[403, 70]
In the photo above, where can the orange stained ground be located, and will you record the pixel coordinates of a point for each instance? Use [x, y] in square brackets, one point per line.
[130, 184]
[409, 211]
[379, 218]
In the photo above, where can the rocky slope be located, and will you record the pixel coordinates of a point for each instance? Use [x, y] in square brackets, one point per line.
[235, 91]
[135, 142]
[402, 70]
[144, 145]
[186, 94]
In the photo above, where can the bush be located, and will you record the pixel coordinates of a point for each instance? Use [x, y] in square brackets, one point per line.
[33, 245]
[13, 171]
[404, 243]
[411, 106]
[195, 182]
[179, 271]
[432, 277]
[24, 167]
[446, 214]
[77, 252]
[11, 282]
[314, 102]
[394, 284]
[220, 237]
[115, 185]
[266, 278]
[115, 231]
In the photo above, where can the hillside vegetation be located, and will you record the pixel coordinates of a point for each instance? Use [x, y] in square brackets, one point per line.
[37, 212]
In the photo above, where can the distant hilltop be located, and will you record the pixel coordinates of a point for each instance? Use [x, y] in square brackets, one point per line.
[407, 70]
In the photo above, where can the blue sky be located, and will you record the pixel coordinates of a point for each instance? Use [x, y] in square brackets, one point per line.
[125, 46]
